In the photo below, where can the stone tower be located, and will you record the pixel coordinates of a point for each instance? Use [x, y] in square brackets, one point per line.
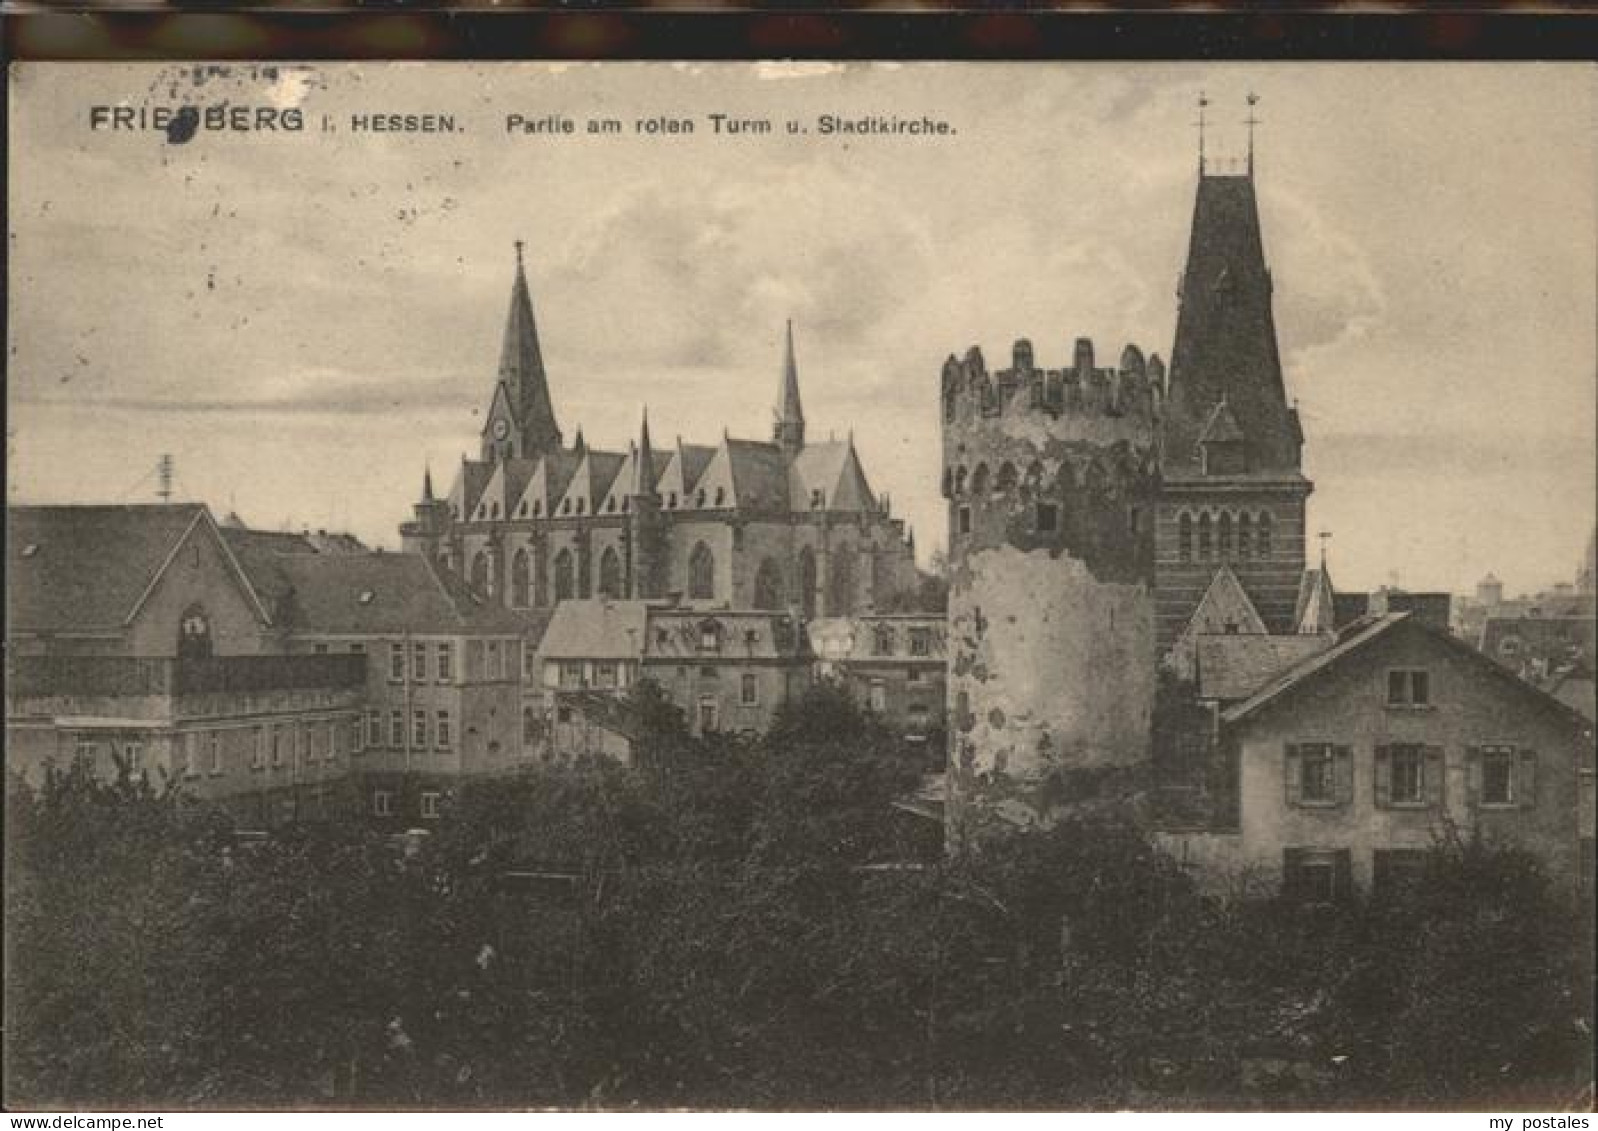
[1052, 483]
[1233, 493]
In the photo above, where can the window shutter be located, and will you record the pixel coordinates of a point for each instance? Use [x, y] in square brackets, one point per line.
[1291, 778]
[1473, 776]
[1292, 885]
[1383, 778]
[1342, 874]
[1433, 771]
[1526, 780]
[1343, 774]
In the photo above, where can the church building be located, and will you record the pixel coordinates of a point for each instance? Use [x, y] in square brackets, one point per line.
[783, 524]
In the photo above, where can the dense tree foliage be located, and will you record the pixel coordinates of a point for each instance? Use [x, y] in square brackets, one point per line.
[750, 923]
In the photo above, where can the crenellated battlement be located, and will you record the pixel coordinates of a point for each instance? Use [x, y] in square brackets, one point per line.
[1133, 389]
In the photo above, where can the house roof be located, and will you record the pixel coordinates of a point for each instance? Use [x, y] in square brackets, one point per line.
[596, 630]
[370, 593]
[88, 568]
[1362, 634]
[1234, 667]
[1549, 638]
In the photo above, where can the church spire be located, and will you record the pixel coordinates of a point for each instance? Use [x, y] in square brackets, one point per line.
[521, 417]
[643, 483]
[790, 428]
[427, 484]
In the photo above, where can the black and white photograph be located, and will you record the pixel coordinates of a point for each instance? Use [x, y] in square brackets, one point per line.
[800, 587]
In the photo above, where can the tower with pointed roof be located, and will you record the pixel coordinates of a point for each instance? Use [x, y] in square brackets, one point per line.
[424, 534]
[1232, 489]
[789, 430]
[520, 422]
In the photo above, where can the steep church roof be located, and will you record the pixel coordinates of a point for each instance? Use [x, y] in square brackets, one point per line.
[521, 370]
[1226, 343]
[547, 485]
[470, 481]
[1225, 609]
[833, 468]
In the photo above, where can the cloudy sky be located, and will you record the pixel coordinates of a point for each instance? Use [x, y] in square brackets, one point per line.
[305, 320]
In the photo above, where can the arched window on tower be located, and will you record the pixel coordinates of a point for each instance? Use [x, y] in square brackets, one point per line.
[520, 580]
[1184, 537]
[1007, 477]
[564, 575]
[1263, 535]
[768, 585]
[610, 573]
[480, 579]
[949, 400]
[840, 591]
[1245, 535]
[807, 581]
[959, 481]
[1206, 545]
[979, 480]
[1226, 535]
[701, 573]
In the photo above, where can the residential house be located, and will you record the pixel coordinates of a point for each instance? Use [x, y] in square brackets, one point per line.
[893, 663]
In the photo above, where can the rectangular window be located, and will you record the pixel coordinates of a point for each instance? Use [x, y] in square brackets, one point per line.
[605, 675]
[921, 642]
[430, 804]
[571, 673]
[709, 714]
[916, 676]
[216, 753]
[441, 733]
[374, 729]
[1316, 786]
[85, 751]
[749, 691]
[1407, 770]
[496, 668]
[258, 749]
[419, 730]
[330, 751]
[357, 734]
[133, 754]
[418, 661]
[528, 672]
[278, 743]
[446, 663]
[1408, 687]
[320, 649]
[879, 695]
[191, 755]
[396, 661]
[1048, 518]
[1497, 775]
[396, 730]
[1314, 875]
[474, 659]
[382, 803]
[963, 520]
[358, 649]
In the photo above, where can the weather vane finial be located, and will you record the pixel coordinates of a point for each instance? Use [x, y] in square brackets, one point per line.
[1203, 101]
[1251, 121]
[518, 253]
[1324, 536]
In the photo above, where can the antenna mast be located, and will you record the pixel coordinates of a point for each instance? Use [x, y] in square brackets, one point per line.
[164, 471]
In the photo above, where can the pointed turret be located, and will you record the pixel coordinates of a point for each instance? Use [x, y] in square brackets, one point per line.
[427, 485]
[790, 428]
[521, 417]
[643, 483]
[1226, 336]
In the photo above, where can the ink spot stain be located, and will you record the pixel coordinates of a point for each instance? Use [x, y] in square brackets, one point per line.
[183, 125]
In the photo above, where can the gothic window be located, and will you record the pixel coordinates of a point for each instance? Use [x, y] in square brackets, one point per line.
[520, 581]
[721, 496]
[979, 480]
[194, 634]
[540, 579]
[1262, 537]
[1007, 477]
[959, 481]
[671, 500]
[564, 575]
[701, 573]
[699, 497]
[1245, 535]
[840, 593]
[538, 507]
[1184, 537]
[768, 585]
[581, 503]
[480, 579]
[807, 581]
[1226, 535]
[610, 573]
[1205, 544]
